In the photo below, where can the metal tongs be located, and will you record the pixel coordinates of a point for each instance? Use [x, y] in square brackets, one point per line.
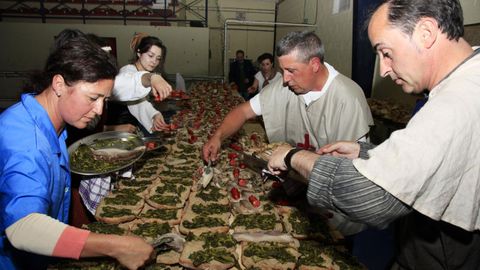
[266, 174]
[161, 244]
[207, 174]
[168, 241]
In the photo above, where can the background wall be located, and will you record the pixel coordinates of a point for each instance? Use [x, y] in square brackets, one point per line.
[192, 51]
[31, 42]
[253, 39]
[199, 51]
[25, 47]
[471, 11]
[334, 29]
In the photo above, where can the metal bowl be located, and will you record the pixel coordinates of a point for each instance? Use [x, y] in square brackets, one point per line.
[121, 140]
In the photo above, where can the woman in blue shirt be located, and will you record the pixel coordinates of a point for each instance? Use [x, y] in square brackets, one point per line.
[35, 173]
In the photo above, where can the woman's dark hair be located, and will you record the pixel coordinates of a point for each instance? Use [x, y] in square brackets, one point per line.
[405, 14]
[265, 56]
[145, 44]
[76, 58]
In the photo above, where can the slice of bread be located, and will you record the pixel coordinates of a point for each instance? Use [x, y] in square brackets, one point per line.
[105, 228]
[302, 225]
[210, 195]
[257, 223]
[166, 195]
[269, 255]
[210, 251]
[149, 231]
[119, 206]
[113, 215]
[314, 255]
[125, 199]
[198, 224]
[169, 257]
[151, 214]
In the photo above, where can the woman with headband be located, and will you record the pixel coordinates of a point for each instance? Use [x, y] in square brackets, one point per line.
[135, 81]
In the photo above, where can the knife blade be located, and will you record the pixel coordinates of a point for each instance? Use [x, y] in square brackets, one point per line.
[261, 166]
[258, 165]
[207, 175]
[254, 163]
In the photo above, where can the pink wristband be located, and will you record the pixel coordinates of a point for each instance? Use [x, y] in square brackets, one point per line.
[71, 243]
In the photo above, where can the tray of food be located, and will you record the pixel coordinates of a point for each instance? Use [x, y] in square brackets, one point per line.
[105, 152]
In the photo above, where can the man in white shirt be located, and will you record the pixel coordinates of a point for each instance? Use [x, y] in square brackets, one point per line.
[312, 106]
[427, 173]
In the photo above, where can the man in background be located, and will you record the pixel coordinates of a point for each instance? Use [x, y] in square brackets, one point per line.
[241, 73]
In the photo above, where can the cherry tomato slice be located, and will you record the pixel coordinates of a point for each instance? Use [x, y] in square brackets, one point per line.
[150, 145]
[232, 155]
[235, 193]
[236, 172]
[254, 201]
[242, 182]
[235, 146]
[192, 139]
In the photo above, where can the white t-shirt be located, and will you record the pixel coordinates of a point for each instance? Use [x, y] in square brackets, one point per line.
[433, 164]
[261, 79]
[308, 97]
[128, 84]
[128, 88]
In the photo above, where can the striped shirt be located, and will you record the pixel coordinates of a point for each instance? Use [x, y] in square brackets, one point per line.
[335, 184]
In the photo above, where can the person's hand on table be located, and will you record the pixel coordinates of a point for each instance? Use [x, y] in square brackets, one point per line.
[132, 252]
[211, 148]
[161, 89]
[159, 123]
[276, 163]
[347, 149]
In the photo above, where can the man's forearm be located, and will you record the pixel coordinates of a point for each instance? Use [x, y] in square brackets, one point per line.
[234, 121]
[335, 183]
[303, 162]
